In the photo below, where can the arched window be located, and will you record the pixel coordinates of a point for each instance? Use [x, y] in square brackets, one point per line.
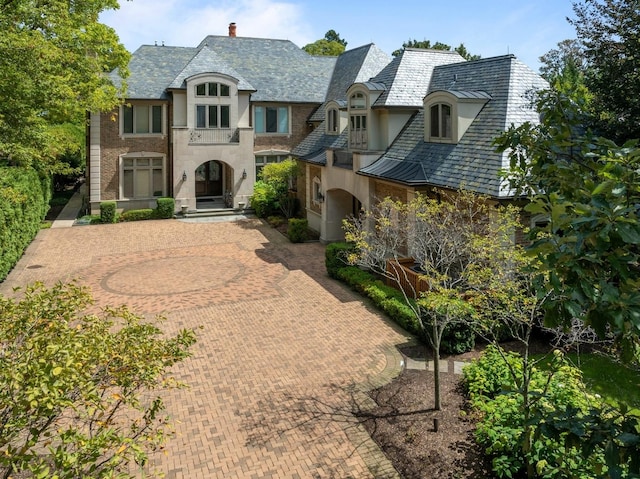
[440, 121]
[333, 121]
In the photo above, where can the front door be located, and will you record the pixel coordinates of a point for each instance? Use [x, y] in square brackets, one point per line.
[209, 179]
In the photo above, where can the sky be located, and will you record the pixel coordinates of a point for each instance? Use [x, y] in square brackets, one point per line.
[527, 29]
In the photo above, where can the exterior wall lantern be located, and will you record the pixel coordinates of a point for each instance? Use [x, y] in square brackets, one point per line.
[244, 174]
[184, 175]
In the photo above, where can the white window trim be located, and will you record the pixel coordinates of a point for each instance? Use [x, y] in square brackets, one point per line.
[124, 135]
[454, 121]
[141, 154]
[361, 112]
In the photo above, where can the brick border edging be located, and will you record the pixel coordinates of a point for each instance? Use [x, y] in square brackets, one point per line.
[373, 457]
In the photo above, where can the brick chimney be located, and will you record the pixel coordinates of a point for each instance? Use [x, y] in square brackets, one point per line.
[232, 29]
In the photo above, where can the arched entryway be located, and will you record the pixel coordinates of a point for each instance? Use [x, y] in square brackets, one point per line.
[212, 185]
[339, 205]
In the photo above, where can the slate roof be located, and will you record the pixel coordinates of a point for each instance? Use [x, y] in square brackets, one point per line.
[352, 66]
[313, 148]
[473, 161]
[408, 76]
[276, 70]
[207, 61]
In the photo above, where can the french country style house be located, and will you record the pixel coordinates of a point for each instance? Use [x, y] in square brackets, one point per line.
[199, 123]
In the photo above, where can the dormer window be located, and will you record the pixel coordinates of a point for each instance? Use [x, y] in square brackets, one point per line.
[212, 89]
[357, 101]
[333, 121]
[448, 114]
[358, 136]
[440, 117]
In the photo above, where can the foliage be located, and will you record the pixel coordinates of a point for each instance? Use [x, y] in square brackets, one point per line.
[335, 257]
[609, 34]
[76, 389]
[297, 230]
[264, 198]
[504, 426]
[330, 45]
[165, 208]
[568, 54]
[588, 190]
[108, 212]
[136, 215]
[448, 236]
[53, 71]
[24, 198]
[271, 192]
[426, 44]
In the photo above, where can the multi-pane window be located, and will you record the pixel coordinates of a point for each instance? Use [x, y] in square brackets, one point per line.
[333, 121]
[357, 101]
[212, 89]
[142, 119]
[440, 121]
[358, 131]
[212, 116]
[142, 177]
[271, 119]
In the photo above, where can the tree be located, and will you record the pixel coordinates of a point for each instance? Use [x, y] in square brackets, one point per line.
[446, 237]
[271, 193]
[426, 44]
[587, 189]
[555, 61]
[330, 45]
[609, 33]
[77, 390]
[54, 57]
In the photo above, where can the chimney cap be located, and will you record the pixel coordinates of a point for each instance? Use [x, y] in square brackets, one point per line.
[232, 29]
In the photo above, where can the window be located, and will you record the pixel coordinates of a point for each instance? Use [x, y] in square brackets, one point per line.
[358, 131]
[142, 177]
[269, 119]
[212, 116]
[212, 89]
[262, 160]
[440, 121]
[357, 101]
[317, 196]
[142, 119]
[333, 121]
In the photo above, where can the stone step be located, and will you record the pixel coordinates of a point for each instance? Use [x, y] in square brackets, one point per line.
[214, 212]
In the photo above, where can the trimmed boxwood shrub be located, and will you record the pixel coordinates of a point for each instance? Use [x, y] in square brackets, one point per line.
[297, 230]
[137, 215]
[165, 208]
[108, 212]
[24, 201]
[335, 257]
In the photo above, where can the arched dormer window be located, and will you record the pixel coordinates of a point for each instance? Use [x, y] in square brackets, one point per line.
[449, 113]
[440, 121]
[358, 119]
[333, 121]
[357, 101]
[212, 89]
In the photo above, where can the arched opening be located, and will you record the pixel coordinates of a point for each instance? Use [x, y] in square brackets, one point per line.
[339, 205]
[213, 185]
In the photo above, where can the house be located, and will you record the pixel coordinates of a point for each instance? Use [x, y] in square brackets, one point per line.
[199, 122]
[427, 120]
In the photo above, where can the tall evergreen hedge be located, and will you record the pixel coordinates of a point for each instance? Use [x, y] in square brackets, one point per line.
[24, 201]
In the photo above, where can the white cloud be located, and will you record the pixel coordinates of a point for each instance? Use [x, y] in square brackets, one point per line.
[184, 23]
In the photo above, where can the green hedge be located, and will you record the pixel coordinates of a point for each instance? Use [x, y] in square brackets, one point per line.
[456, 339]
[165, 209]
[108, 212]
[24, 201]
[137, 215]
[298, 230]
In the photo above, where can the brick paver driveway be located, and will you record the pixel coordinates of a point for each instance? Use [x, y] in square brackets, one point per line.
[279, 350]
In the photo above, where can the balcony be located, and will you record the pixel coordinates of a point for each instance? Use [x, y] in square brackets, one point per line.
[343, 159]
[213, 136]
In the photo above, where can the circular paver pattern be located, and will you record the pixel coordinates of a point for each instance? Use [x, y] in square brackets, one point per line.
[198, 273]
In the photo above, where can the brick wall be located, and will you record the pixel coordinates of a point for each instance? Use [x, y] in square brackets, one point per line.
[299, 130]
[112, 146]
[382, 190]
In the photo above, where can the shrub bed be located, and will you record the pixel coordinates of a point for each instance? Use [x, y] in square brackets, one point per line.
[390, 300]
[108, 212]
[137, 215]
[297, 230]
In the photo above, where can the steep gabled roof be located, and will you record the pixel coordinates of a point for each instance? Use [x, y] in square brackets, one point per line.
[207, 61]
[408, 76]
[152, 69]
[352, 66]
[277, 69]
[473, 161]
